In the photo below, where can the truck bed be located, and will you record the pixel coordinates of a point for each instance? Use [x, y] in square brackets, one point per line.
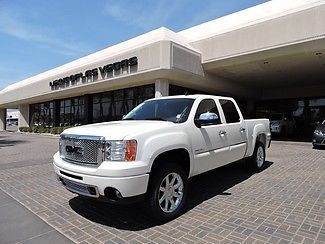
[251, 126]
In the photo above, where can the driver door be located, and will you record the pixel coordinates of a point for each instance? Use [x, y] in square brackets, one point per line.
[209, 141]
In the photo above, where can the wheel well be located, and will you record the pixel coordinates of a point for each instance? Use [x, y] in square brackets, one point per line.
[262, 139]
[179, 156]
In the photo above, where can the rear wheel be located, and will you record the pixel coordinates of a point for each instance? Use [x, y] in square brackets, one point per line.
[167, 192]
[257, 161]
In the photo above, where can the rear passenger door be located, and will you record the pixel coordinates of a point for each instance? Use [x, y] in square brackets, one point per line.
[236, 131]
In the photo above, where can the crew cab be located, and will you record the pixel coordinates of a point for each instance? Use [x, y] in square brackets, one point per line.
[156, 148]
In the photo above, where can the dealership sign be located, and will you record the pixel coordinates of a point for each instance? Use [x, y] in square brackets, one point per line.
[93, 73]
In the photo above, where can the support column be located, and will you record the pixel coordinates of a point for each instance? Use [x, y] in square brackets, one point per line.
[3, 117]
[56, 112]
[23, 120]
[161, 88]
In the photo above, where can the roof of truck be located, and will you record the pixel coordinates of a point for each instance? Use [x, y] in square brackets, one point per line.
[195, 96]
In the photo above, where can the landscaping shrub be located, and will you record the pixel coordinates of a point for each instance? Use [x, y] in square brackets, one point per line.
[41, 129]
[23, 129]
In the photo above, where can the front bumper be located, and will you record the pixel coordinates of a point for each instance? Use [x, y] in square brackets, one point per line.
[92, 184]
[318, 140]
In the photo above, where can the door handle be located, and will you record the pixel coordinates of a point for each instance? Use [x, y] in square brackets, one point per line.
[222, 133]
[242, 130]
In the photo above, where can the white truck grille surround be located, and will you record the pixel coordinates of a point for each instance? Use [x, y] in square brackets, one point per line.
[79, 149]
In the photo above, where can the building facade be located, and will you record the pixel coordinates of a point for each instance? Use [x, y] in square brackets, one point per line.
[270, 57]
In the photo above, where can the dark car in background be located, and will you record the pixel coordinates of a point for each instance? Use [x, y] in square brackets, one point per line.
[319, 135]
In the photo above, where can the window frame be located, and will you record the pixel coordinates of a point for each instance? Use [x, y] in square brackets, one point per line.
[236, 108]
[218, 112]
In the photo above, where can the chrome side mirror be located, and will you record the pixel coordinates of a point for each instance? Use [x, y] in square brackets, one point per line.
[207, 118]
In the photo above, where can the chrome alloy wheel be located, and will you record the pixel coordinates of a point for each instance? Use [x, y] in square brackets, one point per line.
[260, 156]
[170, 193]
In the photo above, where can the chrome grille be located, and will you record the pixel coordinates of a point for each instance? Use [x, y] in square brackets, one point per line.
[82, 149]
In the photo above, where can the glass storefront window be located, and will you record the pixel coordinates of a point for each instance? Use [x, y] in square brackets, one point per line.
[306, 113]
[179, 90]
[109, 106]
[72, 111]
[42, 114]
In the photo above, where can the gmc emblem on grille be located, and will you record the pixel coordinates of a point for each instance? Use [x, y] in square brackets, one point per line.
[74, 150]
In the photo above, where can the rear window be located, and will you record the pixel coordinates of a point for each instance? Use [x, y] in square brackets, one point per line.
[230, 111]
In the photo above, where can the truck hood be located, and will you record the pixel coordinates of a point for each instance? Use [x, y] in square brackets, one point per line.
[118, 130]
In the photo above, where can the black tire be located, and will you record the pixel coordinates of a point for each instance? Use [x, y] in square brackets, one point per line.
[154, 193]
[253, 163]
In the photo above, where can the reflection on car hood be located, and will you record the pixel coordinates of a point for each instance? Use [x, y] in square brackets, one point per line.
[118, 130]
[275, 122]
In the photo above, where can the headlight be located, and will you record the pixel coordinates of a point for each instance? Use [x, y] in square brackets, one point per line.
[121, 150]
[317, 132]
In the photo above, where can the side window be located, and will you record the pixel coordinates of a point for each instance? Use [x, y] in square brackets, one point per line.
[230, 111]
[205, 106]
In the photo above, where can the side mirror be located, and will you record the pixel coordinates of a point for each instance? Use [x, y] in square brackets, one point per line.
[207, 118]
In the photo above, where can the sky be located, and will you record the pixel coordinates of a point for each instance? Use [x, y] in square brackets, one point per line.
[38, 35]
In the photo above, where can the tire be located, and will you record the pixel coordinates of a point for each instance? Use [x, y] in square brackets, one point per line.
[164, 210]
[256, 162]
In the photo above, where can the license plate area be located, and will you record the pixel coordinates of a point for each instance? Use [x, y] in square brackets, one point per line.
[79, 188]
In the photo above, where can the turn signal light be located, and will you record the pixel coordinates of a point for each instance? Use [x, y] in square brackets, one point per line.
[130, 150]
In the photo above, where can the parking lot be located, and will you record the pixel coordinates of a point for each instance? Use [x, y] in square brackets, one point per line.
[285, 203]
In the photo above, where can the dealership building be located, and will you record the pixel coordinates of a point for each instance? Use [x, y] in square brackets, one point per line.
[270, 57]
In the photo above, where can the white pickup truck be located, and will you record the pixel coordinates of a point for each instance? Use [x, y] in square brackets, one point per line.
[156, 148]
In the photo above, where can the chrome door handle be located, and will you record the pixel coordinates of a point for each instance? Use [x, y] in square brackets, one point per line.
[242, 130]
[222, 133]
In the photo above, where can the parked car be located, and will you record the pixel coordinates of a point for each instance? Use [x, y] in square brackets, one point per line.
[12, 121]
[319, 135]
[282, 123]
[156, 148]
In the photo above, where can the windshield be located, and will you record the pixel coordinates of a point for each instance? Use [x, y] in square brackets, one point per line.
[174, 110]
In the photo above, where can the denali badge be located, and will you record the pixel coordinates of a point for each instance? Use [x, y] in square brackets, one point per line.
[75, 150]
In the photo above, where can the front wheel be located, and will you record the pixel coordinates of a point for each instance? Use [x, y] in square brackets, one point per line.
[257, 161]
[167, 192]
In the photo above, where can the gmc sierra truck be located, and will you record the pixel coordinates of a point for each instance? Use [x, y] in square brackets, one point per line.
[156, 148]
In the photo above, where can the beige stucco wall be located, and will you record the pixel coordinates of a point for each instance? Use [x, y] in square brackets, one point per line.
[284, 30]
[23, 120]
[155, 60]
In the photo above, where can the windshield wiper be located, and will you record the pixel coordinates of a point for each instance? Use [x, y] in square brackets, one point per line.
[156, 118]
[128, 119]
